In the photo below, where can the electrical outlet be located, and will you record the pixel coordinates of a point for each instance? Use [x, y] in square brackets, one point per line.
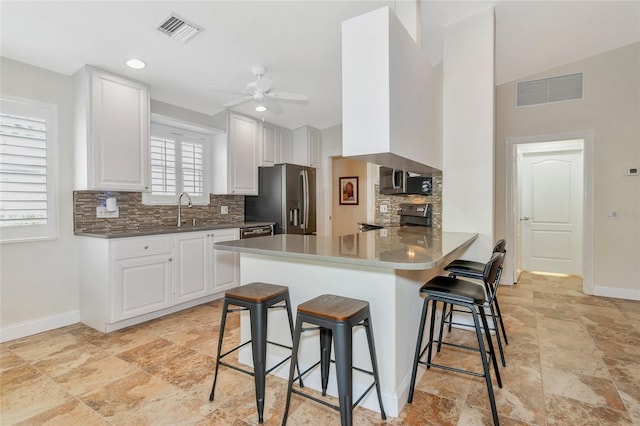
[224, 209]
[103, 213]
[383, 208]
[612, 213]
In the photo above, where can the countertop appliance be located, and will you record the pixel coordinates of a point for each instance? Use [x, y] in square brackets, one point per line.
[256, 231]
[415, 214]
[399, 182]
[411, 214]
[286, 196]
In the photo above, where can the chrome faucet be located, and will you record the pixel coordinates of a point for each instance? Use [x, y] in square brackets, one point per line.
[180, 206]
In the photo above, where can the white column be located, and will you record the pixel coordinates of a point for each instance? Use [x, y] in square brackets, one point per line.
[468, 131]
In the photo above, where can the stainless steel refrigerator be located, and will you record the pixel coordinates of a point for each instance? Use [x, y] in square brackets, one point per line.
[287, 196]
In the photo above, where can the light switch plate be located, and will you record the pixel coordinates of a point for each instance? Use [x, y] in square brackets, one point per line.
[383, 208]
[224, 209]
[103, 213]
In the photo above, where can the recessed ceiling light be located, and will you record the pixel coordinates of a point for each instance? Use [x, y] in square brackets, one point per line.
[261, 108]
[136, 64]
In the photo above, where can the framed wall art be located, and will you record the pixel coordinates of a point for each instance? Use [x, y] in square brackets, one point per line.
[348, 190]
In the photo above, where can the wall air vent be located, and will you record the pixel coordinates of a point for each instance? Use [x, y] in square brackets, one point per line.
[549, 90]
[178, 28]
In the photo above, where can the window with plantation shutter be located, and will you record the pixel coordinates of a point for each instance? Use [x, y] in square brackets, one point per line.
[27, 170]
[178, 164]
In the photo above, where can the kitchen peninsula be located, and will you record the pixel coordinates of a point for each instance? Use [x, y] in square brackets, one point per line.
[385, 267]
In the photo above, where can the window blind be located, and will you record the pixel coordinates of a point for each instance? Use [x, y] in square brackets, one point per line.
[192, 168]
[163, 166]
[23, 170]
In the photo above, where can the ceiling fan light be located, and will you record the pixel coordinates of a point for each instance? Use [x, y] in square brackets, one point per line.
[136, 64]
[261, 108]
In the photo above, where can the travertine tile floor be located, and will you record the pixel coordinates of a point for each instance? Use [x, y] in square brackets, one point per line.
[571, 360]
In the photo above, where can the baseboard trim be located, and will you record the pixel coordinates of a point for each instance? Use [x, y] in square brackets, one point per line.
[618, 293]
[28, 328]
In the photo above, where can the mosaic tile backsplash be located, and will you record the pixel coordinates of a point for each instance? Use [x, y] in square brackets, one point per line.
[135, 216]
[391, 218]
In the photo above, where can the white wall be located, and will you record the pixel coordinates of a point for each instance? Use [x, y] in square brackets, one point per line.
[611, 109]
[468, 131]
[330, 146]
[39, 280]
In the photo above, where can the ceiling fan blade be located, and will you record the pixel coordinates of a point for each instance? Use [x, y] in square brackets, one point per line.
[263, 84]
[227, 92]
[288, 96]
[273, 106]
[237, 101]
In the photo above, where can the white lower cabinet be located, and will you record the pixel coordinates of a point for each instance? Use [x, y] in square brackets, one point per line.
[126, 281]
[142, 285]
[225, 268]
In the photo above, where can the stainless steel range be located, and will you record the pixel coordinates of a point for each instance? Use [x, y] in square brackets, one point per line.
[410, 215]
[415, 214]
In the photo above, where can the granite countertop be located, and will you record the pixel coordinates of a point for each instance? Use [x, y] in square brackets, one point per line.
[171, 230]
[408, 248]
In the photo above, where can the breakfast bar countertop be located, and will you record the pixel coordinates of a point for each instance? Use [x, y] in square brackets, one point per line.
[405, 248]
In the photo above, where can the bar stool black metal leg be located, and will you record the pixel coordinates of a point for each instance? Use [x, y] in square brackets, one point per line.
[326, 336]
[434, 307]
[344, 361]
[374, 363]
[504, 332]
[499, 340]
[416, 357]
[442, 321]
[485, 364]
[223, 321]
[292, 367]
[487, 333]
[290, 318]
[259, 351]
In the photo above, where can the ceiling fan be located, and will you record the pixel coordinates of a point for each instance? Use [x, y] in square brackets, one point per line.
[260, 92]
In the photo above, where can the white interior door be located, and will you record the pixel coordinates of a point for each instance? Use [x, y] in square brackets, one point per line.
[550, 212]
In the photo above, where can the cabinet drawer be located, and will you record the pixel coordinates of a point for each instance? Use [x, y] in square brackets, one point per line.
[142, 246]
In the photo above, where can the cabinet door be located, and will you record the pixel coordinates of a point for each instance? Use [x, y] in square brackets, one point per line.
[119, 133]
[314, 147]
[268, 157]
[191, 266]
[226, 264]
[142, 285]
[283, 138]
[243, 151]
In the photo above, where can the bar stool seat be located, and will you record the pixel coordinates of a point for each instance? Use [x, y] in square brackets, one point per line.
[335, 316]
[257, 298]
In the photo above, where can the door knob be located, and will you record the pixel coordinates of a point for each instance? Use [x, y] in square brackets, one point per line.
[524, 218]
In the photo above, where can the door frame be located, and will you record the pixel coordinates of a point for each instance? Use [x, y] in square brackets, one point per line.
[511, 200]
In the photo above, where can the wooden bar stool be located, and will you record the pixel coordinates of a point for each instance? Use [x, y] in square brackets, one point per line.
[257, 298]
[335, 317]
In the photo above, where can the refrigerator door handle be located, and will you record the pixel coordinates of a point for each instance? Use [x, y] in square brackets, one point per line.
[305, 199]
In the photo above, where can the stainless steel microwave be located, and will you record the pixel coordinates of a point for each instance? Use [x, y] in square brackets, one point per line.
[396, 181]
[392, 181]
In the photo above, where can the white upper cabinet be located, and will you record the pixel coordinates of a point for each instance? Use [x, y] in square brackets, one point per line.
[236, 155]
[276, 145]
[306, 146]
[112, 131]
[391, 96]
[268, 146]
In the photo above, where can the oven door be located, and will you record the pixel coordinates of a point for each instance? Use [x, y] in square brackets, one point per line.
[256, 231]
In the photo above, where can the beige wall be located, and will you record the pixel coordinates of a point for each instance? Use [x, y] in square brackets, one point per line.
[39, 280]
[611, 109]
[345, 217]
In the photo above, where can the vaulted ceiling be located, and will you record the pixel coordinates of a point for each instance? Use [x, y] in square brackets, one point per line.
[297, 41]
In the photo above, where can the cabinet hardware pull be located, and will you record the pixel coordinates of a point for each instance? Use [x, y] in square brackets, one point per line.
[146, 247]
[170, 259]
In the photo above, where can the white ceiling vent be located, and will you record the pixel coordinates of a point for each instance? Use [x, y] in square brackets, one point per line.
[178, 28]
[549, 90]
